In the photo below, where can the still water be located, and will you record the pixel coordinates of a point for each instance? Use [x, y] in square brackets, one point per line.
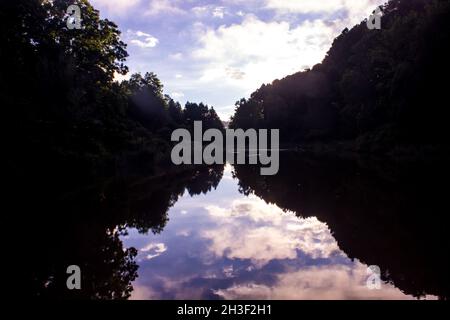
[224, 232]
[231, 243]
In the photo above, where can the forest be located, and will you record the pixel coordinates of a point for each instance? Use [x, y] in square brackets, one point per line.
[68, 114]
[376, 91]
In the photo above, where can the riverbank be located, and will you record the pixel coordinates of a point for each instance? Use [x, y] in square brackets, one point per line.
[352, 147]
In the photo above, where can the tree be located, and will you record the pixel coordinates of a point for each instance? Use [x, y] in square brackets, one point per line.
[378, 88]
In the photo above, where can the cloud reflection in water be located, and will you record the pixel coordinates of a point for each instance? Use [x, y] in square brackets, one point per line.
[226, 245]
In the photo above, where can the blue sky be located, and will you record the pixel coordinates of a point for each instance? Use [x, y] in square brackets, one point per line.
[220, 51]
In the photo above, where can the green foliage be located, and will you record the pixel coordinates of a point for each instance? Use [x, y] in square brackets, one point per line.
[58, 91]
[371, 84]
[201, 112]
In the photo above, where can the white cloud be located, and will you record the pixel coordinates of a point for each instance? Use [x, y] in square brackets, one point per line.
[261, 51]
[219, 12]
[149, 42]
[120, 77]
[228, 271]
[152, 7]
[141, 292]
[243, 56]
[235, 73]
[253, 52]
[177, 95]
[357, 9]
[142, 39]
[163, 6]
[209, 11]
[142, 34]
[153, 250]
[200, 10]
[306, 6]
[178, 76]
[115, 7]
[331, 282]
[266, 233]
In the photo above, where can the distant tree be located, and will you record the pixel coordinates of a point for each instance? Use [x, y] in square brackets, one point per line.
[175, 111]
[201, 112]
[147, 103]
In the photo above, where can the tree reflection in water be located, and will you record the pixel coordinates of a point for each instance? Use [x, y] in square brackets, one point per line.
[386, 214]
[84, 228]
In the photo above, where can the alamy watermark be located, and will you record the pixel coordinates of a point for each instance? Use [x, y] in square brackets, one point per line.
[74, 18]
[74, 280]
[373, 281]
[213, 153]
[374, 21]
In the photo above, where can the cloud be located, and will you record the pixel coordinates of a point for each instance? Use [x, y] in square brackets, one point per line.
[333, 282]
[177, 95]
[243, 55]
[228, 271]
[149, 42]
[226, 50]
[153, 250]
[120, 77]
[266, 233]
[144, 40]
[306, 6]
[209, 11]
[262, 51]
[356, 9]
[219, 12]
[163, 6]
[149, 8]
[115, 7]
[141, 292]
[235, 73]
[200, 10]
[142, 34]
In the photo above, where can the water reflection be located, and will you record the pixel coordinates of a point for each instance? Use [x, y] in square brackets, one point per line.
[214, 233]
[227, 245]
[388, 214]
[84, 227]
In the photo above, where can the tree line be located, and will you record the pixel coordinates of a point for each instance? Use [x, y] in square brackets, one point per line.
[379, 90]
[63, 108]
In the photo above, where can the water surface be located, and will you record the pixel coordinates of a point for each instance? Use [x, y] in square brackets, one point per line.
[224, 232]
[230, 244]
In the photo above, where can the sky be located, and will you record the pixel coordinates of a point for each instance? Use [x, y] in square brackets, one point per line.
[218, 52]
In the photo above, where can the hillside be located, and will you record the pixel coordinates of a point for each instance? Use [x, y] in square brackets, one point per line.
[376, 91]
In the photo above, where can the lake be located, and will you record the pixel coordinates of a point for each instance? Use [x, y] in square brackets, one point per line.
[230, 243]
[225, 232]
